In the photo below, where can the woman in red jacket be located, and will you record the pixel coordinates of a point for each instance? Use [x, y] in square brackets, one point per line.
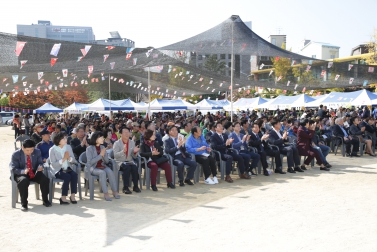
[305, 134]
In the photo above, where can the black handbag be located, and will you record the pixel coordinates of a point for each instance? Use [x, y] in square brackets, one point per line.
[161, 159]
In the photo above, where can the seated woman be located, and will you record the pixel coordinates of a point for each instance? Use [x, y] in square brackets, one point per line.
[152, 150]
[305, 134]
[240, 143]
[108, 142]
[356, 130]
[97, 163]
[62, 159]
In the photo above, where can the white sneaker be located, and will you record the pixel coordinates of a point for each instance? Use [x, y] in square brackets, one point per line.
[215, 180]
[209, 181]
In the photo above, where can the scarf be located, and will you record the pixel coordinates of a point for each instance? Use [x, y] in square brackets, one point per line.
[150, 144]
[62, 151]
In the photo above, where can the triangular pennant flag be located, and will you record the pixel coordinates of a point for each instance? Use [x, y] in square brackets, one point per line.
[90, 69]
[23, 62]
[284, 91]
[148, 53]
[20, 45]
[351, 80]
[23, 78]
[270, 72]
[134, 61]
[337, 77]
[53, 61]
[365, 83]
[323, 73]
[24, 83]
[110, 47]
[370, 69]
[296, 86]
[280, 77]
[87, 48]
[311, 92]
[288, 83]
[304, 89]
[83, 52]
[350, 67]
[105, 57]
[79, 58]
[55, 50]
[65, 72]
[40, 75]
[128, 56]
[112, 64]
[293, 63]
[15, 78]
[261, 66]
[329, 65]
[308, 68]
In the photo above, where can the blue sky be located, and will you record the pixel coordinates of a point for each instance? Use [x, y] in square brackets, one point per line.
[343, 23]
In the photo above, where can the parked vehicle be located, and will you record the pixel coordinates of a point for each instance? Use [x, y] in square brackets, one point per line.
[7, 116]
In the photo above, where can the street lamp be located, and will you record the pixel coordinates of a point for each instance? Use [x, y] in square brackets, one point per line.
[233, 18]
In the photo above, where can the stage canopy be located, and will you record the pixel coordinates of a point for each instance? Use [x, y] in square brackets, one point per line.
[246, 103]
[159, 104]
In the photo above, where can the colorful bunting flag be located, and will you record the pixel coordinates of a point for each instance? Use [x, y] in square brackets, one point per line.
[90, 69]
[128, 56]
[112, 64]
[284, 91]
[293, 63]
[53, 61]
[40, 75]
[351, 80]
[55, 50]
[304, 89]
[79, 58]
[280, 77]
[350, 67]
[329, 65]
[370, 69]
[23, 62]
[83, 52]
[65, 72]
[365, 83]
[261, 66]
[15, 78]
[105, 57]
[288, 83]
[110, 47]
[323, 73]
[20, 45]
[308, 68]
[271, 72]
[296, 86]
[337, 77]
[134, 61]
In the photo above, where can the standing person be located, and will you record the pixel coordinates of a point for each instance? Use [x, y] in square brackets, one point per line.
[17, 125]
[27, 166]
[27, 124]
[125, 152]
[62, 159]
[175, 146]
[98, 164]
[152, 150]
[198, 146]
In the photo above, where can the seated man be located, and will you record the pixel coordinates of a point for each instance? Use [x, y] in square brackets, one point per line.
[260, 141]
[339, 131]
[79, 143]
[221, 143]
[198, 146]
[125, 152]
[27, 166]
[45, 145]
[174, 146]
[322, 149]
[280, 141]
[210, 132]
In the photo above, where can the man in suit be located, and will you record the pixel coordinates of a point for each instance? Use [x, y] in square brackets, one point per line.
[175, 146]
[290, 151]
[125, 152]
[27, 165]
[221, 143]
[339, 131]
[260, 141]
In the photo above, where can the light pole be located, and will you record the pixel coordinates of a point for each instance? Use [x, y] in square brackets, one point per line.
[110, 98]
[149, 93]
[233, 18]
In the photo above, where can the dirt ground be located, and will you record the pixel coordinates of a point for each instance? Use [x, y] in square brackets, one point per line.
[310, 211]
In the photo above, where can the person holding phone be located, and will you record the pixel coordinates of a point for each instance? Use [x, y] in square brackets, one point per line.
[125, 152]
[98, 164]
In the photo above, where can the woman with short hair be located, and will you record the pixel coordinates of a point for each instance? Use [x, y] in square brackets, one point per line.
[62, 160]
[98, 161]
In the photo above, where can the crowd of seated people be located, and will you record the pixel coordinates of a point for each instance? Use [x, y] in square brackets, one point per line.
[205, 141]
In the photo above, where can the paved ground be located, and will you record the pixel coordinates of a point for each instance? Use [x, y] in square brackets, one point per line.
[313, 211]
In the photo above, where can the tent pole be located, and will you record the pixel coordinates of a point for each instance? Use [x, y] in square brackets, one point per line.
[231, 79]
[149, 93]
[110, 97]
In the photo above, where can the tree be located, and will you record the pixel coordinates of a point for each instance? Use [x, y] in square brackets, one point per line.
[213, 64]
[372, 48]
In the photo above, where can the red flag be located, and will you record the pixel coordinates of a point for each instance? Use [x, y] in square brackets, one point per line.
[23, 62]
[90, 69]
[304, 89]
[277, 58]
[53, 61]
[323, 73]
[83, 52]
[47, 83]
[284, 91]
[128, 56]
[20, 45]
[110, 47]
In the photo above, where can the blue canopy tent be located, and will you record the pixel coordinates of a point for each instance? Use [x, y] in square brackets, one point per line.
[102, 105]
[127, 104]
[207, 104]
[47, 108]
[246, 103]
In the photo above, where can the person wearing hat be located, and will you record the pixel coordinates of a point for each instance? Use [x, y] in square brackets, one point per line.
[45, 145]
[72, 136]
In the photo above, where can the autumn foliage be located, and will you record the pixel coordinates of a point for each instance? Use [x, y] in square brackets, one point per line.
[57, 98]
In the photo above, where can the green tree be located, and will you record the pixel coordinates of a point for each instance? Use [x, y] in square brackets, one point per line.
[4, 101]
[372, 48]
[213, 64]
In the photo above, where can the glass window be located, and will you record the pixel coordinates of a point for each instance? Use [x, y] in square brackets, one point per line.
[314, 56]
[63, 30]
[222, 56]
[200, 57]
[273, 41]
[71, 30]
[229, 56]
